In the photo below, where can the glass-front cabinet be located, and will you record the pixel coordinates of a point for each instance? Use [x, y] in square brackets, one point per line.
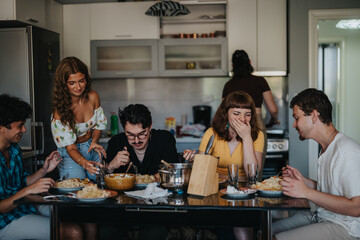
[124, 58]
[193, 57]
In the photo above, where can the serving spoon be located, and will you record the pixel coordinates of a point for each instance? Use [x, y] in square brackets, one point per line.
[167, 164]
[130, 164]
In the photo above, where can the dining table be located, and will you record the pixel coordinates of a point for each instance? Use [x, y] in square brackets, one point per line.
[220, 210]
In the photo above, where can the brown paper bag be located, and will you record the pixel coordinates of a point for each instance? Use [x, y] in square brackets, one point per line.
[204, 179]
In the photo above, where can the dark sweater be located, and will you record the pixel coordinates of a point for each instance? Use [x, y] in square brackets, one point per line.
[161, 146]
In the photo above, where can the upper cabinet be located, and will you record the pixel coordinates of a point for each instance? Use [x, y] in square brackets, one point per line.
[126, 20]
[124, 58]
[30, 12]
[193, 57]
[77, 31]
[259, 27]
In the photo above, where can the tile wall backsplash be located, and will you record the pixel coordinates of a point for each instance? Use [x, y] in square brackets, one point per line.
[163, 96]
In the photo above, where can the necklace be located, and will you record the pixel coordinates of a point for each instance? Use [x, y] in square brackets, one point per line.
[328, 141]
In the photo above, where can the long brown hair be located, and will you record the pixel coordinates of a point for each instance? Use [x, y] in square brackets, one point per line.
[61, 96]
[238, 99]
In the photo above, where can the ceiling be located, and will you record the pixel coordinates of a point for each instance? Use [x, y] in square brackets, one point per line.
[98, 1]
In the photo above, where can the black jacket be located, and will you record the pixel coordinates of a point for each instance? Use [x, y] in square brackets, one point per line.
[162, 146]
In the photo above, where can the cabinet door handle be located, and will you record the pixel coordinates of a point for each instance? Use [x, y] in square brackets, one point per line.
[123, 36]
[32, 20]
[192, 72]
[123, 73]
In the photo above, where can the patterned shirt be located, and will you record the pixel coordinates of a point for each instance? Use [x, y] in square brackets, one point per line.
[12, 180]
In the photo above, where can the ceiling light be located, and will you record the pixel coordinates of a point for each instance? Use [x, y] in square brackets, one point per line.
[349, 24]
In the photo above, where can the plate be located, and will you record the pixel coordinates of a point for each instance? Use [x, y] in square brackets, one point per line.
[143, 185]
[112, 194]
[270, 193]
[239, 195]
[65, 190]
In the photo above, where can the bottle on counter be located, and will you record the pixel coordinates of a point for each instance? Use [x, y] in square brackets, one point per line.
[170, 124]
[114, 125]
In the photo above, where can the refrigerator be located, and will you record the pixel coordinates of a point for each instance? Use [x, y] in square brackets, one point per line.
[28, 59]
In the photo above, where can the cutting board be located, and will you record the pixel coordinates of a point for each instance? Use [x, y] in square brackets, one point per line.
[204, 179]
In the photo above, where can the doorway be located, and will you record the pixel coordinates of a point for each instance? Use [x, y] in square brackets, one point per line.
[336, 44]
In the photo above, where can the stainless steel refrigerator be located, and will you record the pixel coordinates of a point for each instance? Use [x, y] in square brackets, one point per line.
[28, 59]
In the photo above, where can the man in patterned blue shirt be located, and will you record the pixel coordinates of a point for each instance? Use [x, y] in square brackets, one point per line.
[20, 221]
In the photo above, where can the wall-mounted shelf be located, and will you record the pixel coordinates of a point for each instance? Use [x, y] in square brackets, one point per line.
[194, 21]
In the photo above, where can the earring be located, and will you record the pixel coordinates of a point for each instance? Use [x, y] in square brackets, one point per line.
[227, 126]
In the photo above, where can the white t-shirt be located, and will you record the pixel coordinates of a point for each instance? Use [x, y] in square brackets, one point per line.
[339, 174]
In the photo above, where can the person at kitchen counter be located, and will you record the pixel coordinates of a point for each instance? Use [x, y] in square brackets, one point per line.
[23, 221]
[256, 87]
[77, 120]
[336, 193]
[139, 143]
[238, 140]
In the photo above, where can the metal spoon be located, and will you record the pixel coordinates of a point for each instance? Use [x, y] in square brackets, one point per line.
[130, 163]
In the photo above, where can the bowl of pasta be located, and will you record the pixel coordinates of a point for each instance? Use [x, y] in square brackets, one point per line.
[120, 181]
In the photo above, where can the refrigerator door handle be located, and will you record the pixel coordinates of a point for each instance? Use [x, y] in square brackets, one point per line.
[41, 125]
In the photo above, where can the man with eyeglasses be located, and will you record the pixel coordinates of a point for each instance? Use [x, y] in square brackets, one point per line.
[140, 144]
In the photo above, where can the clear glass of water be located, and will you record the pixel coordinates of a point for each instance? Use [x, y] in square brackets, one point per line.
[252, 173]
[233, 171]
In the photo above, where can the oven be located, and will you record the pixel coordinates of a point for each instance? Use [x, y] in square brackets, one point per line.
[277, 155]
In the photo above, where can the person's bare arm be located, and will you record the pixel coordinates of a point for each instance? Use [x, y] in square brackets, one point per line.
[271, 105]
[41, 185]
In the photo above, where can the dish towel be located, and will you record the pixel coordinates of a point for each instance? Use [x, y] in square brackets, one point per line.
[151, 192]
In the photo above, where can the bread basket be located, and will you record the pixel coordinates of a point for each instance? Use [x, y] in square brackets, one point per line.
[117, 181]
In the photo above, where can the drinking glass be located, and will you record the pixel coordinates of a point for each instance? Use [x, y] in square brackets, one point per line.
[252, 173]
[233, 171]
[100, 178]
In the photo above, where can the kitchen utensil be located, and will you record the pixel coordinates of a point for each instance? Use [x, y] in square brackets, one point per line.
[209, 144]
[167, 164]
[176, 177]
[120, 182]
[130, 164]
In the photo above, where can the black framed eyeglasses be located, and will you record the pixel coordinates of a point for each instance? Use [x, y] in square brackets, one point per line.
[140, 136]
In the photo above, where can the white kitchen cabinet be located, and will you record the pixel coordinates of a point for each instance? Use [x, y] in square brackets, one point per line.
[125, 20]
[54, 16]
[124, 58]
[259, 27]
[30, 12]
[77, 31]
[193, 57]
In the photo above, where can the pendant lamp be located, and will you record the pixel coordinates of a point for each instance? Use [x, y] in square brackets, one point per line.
[167, 8]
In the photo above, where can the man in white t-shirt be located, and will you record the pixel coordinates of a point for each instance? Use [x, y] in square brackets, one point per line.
[336, 193]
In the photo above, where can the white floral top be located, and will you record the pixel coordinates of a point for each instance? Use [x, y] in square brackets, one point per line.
[64, 135]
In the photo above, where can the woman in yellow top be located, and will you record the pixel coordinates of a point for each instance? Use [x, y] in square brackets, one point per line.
[237, 139]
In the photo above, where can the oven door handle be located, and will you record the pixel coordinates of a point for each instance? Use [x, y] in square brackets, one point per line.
[274, 156]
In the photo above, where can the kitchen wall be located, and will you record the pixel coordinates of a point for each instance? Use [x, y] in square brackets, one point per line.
[171, 96]
[298, 64]
[164, 96]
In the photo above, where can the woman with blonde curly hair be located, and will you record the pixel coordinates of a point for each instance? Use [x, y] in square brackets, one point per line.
[77, 120]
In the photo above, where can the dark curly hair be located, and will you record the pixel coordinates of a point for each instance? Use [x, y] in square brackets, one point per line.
[241, 64]
[238, 99]
[134, 114]
[310, 99]
[13, 109]
[61, 96]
